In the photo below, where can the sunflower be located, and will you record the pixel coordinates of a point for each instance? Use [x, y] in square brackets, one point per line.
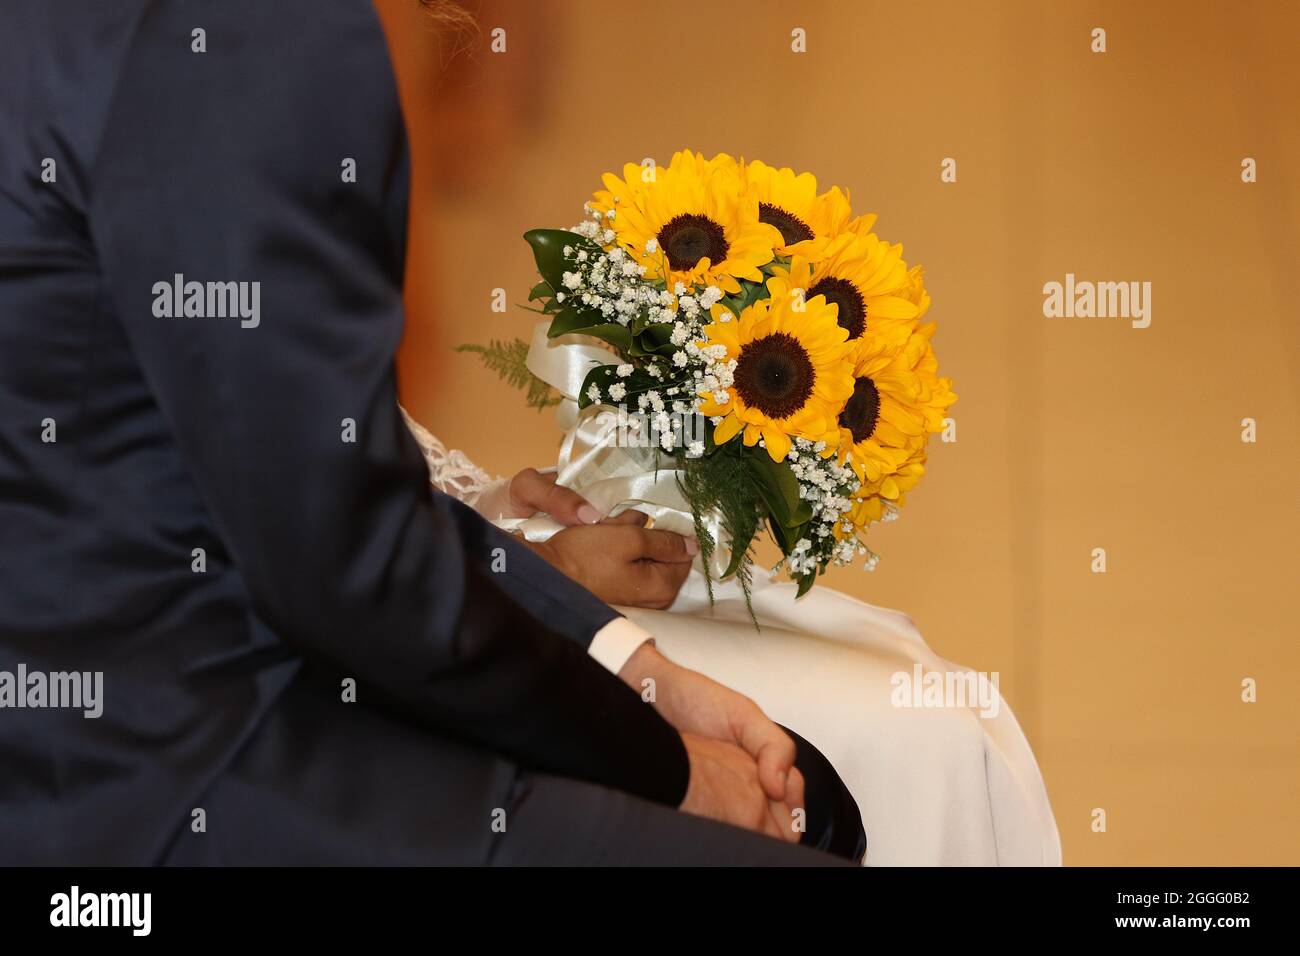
[789, 202]
[934, 395]
[898, 400]
[862, 225]
[914, 291]
[865, 278]
[791, 376]
[871, 505]
[690, 223]
[880, 425]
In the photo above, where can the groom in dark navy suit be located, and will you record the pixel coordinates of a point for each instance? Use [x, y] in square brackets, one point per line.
[210, 504]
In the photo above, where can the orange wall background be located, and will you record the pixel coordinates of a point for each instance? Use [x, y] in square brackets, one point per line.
[1073, 434]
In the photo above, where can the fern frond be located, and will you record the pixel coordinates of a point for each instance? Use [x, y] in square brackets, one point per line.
[722, 483]
[509, 359]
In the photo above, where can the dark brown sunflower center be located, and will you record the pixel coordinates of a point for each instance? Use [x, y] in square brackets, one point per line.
[862, 410]
[688, 238]
[843, 293]
[792, 228]
[774, 375]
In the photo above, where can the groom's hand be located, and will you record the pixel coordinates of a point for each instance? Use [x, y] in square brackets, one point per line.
[695, 704]
[724, 786]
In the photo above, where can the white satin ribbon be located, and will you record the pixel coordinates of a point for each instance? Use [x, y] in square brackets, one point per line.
[594, 461]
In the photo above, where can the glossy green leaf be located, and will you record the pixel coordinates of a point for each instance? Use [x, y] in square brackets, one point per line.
[548, 252]
[780, 489]
[574, 321]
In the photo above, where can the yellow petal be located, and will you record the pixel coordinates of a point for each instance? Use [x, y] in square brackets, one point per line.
[889, 307]
[727, 429]
[777, 442]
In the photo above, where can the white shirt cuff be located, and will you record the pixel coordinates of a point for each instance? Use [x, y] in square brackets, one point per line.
[616, 642]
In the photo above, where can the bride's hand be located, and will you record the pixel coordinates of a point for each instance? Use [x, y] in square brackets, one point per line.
[621, 562]
[532, 491]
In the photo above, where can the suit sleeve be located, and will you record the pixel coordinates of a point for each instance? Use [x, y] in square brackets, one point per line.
[226, 166]
[547, 593]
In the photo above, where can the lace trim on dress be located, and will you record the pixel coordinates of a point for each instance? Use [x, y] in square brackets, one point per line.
[450, 470]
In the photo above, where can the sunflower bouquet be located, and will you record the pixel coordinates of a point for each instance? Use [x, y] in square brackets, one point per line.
[735, 295]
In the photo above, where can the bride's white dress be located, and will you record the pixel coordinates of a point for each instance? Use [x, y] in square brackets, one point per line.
[936, 785]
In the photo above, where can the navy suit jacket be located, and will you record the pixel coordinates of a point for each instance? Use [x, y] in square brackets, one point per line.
[130, 158]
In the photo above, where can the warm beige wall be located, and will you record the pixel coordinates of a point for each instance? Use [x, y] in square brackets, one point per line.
[1073, 433]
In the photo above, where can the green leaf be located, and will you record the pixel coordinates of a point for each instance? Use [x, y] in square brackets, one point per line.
[806, 582]
[750, 292]
[574, 320]
[654, 338]
[739, 555]
[546, 295]
[601, 376]
[569, 321]
[786, 536]
[779, 487]
[548, 251]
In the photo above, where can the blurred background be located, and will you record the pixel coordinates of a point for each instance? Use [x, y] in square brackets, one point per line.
[1072, 433]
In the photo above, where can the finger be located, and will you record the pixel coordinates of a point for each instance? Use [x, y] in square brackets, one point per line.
[794, 793]
[770, 746]
[666, 547]
[774, 765]
[539, 492]
[631, 516]
[528, 490]
[779, 817]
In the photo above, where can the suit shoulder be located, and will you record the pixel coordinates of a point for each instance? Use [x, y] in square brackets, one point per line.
[245, 88]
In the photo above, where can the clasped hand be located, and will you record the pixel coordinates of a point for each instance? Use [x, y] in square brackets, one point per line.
[742, 768]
